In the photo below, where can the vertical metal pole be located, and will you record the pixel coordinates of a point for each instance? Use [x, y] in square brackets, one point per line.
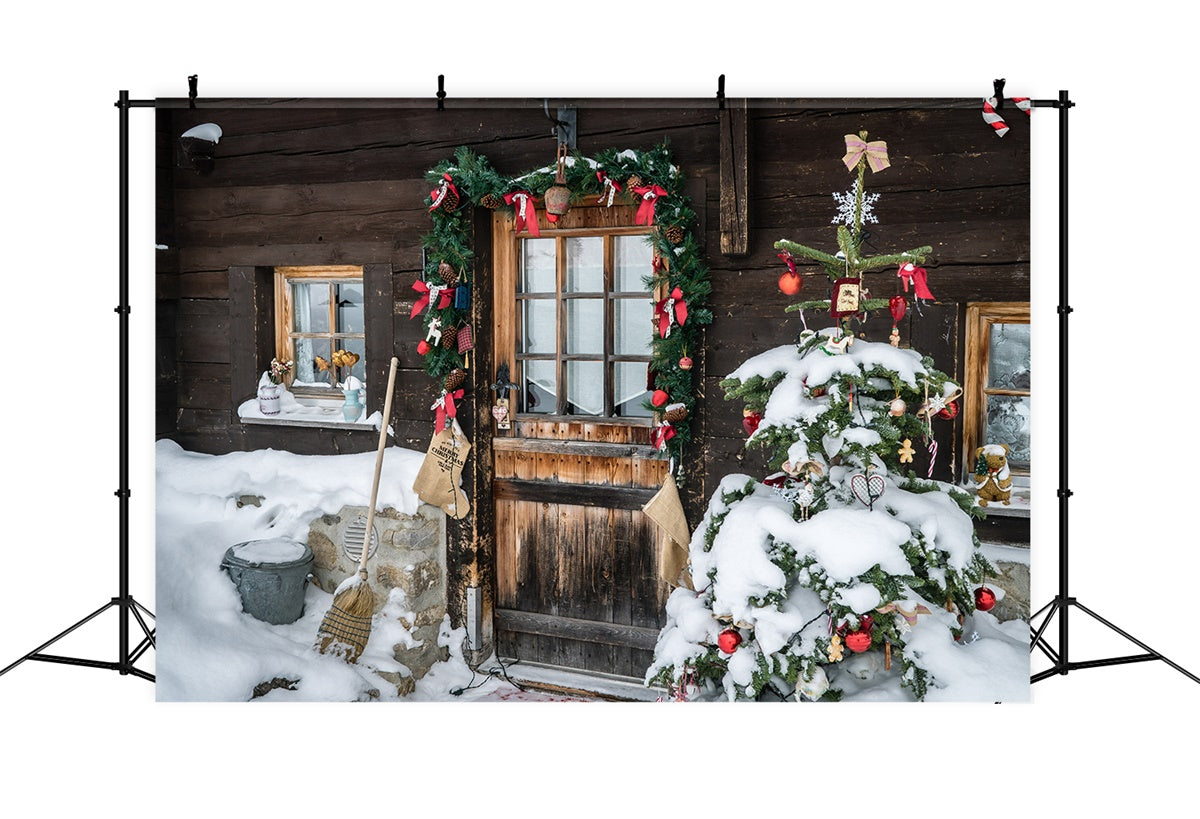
[123, 402]
[1063, 311]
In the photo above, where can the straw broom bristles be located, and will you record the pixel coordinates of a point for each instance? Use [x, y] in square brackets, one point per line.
[347, 625]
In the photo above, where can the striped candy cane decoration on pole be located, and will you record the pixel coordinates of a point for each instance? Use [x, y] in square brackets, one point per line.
[996, 121]
[932, 457]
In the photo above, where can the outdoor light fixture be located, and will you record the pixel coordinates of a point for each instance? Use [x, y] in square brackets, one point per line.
[199, 145]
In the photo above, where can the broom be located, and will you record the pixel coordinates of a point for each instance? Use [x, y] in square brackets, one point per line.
[347, 625]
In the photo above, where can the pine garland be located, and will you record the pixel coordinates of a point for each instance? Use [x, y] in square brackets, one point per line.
[478, 183]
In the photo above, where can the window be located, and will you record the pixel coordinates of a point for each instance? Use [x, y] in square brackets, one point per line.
[996, 398]
[582, 321]
[319, 310]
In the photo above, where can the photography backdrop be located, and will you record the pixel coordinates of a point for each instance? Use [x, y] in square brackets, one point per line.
[107, 706]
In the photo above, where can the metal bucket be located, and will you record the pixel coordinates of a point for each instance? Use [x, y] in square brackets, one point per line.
[270, 576]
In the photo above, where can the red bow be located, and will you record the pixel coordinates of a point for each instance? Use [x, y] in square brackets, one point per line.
[788, 259]
[526, 213]
[672, 309]
[609, 188]
[645, 212]
[443, 295]
[445, 408]
[909, 272]
[439, 193]
[662, 433]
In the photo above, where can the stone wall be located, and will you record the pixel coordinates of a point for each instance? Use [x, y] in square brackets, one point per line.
[411, 556]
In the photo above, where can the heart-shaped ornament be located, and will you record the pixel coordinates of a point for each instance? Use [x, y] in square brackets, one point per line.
[499, 412]
[867, 489]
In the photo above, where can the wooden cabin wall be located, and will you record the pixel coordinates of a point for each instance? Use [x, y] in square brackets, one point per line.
[304, 186]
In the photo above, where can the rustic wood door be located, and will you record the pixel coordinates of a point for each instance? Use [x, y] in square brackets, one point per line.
[577, 562]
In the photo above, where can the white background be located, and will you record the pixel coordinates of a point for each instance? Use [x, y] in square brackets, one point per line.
[79, 742]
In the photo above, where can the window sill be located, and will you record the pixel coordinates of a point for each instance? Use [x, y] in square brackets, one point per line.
[305, 413]
[1019, 506]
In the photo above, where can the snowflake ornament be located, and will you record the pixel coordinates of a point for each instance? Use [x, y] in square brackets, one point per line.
[845, 202]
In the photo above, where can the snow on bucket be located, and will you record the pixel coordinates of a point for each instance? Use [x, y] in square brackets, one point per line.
[270, 576]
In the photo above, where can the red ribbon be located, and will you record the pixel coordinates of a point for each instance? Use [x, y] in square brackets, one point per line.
[673, 307]
[445, 408]
[645, 212]
[663, 433]
[909, 272]
[609, 188]
[788, 259]
[423, 288]
[526, 213]
[439, 193]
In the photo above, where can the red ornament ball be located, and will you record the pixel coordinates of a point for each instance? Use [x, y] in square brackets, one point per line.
[728, 640]
[659, 398]
[789, 283]
[422, 347]
[858, 641]
[685, 363]
[950, 411]
[750, 421]
[985, 598]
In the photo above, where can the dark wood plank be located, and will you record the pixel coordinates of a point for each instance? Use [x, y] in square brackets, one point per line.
[735, 178]
[614, 497]
[571, 628]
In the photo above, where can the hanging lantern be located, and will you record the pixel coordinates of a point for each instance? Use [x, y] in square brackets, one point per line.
[558, 197]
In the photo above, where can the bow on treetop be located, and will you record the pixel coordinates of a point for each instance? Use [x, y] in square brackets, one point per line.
[671, 310]
[445, 408]
[645, 212]
[875, 152]
[439, 193]
[430, 291]
[609, 188]
[526, 213]
[909, 272]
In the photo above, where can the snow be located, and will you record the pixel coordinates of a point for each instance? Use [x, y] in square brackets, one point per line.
[816, 370]
[271, 551]
[327, 412]
[209, 131]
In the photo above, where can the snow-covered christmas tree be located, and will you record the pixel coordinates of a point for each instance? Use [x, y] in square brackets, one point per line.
[845, 565]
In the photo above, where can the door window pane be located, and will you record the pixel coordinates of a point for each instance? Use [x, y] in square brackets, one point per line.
[1008, 357]
[629, 389]
[539, 325]
[538, 261]
[585, 326]
[632, 263]
[585, 387]
[585, 264]
[1008, 423]
[632, 325]
[539, 388]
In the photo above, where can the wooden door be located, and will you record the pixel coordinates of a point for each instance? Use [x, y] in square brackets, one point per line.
[577, 563]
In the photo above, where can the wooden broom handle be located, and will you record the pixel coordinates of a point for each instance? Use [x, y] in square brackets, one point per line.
[383, 430]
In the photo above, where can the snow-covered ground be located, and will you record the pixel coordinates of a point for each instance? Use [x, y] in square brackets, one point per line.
[208, 649]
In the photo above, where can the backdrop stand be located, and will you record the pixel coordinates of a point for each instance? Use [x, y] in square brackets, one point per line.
[1063, 602]
[127, 607]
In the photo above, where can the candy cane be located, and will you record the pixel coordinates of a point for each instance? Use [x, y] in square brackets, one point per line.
[996, 121]
[933, 447]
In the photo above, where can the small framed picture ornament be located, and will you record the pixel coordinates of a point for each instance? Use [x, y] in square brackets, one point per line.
[846, 296]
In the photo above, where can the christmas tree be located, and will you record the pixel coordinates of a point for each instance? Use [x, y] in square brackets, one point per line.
[845, 563]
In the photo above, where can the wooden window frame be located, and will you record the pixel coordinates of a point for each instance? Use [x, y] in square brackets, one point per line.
[285, 337]
[980, 318]
[605, 224]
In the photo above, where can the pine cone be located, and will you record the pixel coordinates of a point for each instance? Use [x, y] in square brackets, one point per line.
[491, 201]
[450, 201]
[674, 234]
[455, 379]
[676, 413]
[450, 337]
[634, 181]
[448, 274]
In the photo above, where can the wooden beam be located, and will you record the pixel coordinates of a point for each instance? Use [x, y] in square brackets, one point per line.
[735, 178]
[589, 631]
[613, 497]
